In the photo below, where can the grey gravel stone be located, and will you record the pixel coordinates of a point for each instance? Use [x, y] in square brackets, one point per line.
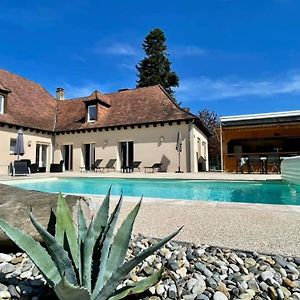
[219, 296]
[7, 268]
[202, 297]
[3, 287]
[211, 283]
[199, 287]
[5, 258]
[267, 274]
[5, 295]
[172, 292]
[13, 291]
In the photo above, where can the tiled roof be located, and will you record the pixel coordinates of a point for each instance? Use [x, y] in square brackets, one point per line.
[28, 104]
[136, 106]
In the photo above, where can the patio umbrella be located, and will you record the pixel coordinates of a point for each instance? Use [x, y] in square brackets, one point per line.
[19, 148]
[179, 149]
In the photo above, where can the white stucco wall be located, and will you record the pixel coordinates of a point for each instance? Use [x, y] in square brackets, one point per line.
[30, 141]
[198, 149]
[148, 147]
[151, 145]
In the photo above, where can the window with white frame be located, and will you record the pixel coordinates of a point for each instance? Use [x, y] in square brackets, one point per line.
[92, 113]
[12, 145]
[1, 104]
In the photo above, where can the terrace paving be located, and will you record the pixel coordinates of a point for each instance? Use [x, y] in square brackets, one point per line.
[252, 227]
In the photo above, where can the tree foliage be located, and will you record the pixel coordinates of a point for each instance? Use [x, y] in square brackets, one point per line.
[155, 68]
[212, 122]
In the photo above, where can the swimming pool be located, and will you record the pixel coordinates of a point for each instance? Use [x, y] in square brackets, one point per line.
[272, 192]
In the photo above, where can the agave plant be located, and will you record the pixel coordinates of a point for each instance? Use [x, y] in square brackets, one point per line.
[83, 262]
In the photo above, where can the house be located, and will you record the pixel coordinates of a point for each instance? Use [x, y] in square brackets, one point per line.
[129, 125]
[264, 136]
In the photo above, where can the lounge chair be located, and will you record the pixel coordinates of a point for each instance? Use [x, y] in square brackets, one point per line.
[57, 168]
[20, 168]
[96, 165]
[136, 165]
[155, 166]
[109, 166]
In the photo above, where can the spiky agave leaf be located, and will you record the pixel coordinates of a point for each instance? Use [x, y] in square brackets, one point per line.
[119, 247]
[35, 252]
[123, 270]
[138, 287]
[65, 225]
[82, 230]
[67, 291]
[51, 223]
[95, 229]
[105, 247]
[57, 252]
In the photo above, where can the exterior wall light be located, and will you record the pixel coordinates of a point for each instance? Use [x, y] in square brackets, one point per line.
[29, 144]
[105, 142]
[161, 139]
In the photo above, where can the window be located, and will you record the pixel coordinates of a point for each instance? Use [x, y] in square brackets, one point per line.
[1, 104]
[92, 113]
[12, 146]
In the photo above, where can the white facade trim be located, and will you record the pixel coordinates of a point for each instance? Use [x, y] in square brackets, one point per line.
[260, 116]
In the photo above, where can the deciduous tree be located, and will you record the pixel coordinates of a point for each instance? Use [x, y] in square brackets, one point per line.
[212, 122]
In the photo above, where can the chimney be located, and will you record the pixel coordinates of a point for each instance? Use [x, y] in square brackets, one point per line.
[60, 94]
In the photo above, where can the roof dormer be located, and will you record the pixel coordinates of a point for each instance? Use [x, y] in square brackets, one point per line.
[93, 103]
[3, 99]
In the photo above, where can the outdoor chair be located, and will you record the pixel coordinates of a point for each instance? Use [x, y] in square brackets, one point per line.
[20, 168]
[155, 166]
[57, 168]
[33, 167]
[96, 165]
[109, 166]
[255, 164]
[136, 165]
[273, 164]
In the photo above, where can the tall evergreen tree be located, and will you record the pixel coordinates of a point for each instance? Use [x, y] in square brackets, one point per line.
[155, 68]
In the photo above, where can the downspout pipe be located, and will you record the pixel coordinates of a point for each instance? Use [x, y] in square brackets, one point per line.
[221, 147]
[191, 147]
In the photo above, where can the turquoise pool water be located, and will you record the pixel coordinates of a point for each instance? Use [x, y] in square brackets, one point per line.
[273, 192]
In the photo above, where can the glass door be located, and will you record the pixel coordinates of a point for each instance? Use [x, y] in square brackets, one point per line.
[68, 157]
[89, 155]
[126, 149]
[41, 155]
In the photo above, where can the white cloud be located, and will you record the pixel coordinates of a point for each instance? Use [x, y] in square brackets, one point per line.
[118, 49]
[183, 51]
[205, 88]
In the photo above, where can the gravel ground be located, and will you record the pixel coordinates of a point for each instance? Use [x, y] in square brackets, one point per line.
[192, 272]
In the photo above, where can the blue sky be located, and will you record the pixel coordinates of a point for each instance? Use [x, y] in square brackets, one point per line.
[234, 57]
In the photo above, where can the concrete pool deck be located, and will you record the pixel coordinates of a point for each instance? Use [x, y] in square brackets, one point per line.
[253, 227]
[200, 175]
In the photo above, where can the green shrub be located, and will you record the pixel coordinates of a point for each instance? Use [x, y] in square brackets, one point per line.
[86, 262]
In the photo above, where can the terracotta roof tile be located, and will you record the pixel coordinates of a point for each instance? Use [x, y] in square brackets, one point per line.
[28, 104]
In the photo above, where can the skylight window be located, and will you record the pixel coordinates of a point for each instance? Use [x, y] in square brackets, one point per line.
[1, 104]
[92, 113]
